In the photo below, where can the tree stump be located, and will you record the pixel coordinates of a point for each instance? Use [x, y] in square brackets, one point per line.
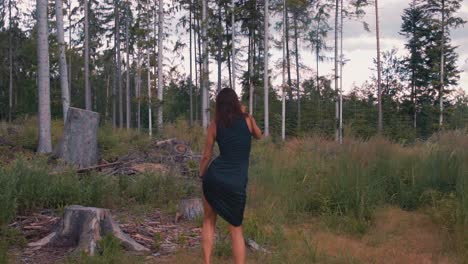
[82, 227]
[79, 144]
[190, 208]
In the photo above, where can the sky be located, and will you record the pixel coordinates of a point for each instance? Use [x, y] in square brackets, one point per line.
[359, 47]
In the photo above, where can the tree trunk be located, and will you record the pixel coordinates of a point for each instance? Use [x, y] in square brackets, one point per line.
[70, 52]
[220, 46]
[160, 64]
[283, 92]
[119, 67]
[190, 208]
[341, 74]
[43, 79]
[62, 58]
[127, 51]
[228, 53]
[288, 57]
[200, 67]
[251, 86]
[83, 227]
[196, 35]
[10, 63]
[442, 65]
[265, 71]
[379, 68]
[298, 86]
[79, 144]
[86, 57]
[191, 64]
[205, 82]
[233, 42]
[337, 110]
[150, 120]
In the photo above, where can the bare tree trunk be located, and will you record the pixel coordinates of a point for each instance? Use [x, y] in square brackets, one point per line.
[62, 58]
[160, 63]
[200, 69]
[265, 71]
[10, 63]
[127, 51]
[196, 35]
[298, 86]
[337, 106]
[283, 92]
[70, 50]
[44, 119]
[116, 70]
[86, 54]
[233, 42]
[442, 65]
[228, 53]
[288, 57]
[379, 68]
[191, 62]
[150, 121]
[119, 67]
[341, 74]
[205, 83]
[220, 45]
[251, 86]
[138, 89]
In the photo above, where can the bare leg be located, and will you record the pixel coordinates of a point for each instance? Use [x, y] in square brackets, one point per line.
[238, 244]
[208, 231]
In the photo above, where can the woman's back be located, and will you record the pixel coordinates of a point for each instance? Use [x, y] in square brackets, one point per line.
[234, 142]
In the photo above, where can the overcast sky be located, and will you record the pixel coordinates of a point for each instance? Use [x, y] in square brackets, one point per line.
[360, 47]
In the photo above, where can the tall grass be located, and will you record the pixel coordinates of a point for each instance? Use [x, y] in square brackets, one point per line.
[345, 184]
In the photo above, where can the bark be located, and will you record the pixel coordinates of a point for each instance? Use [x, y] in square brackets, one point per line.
[283, 92]
[233, 46]
[298, 94]
[150, 121]
[79, 144]
[442, 65]
[205, 82]
[379, 68]
[190, 208]
[10, 63]
[43, 78]
[220, 45]
[83, 227]
[265, 72]
[191, 64]
[160, 64]
[337, 6]
[119, 66]
[127, 51]
[341, 75]
[251, 86]
[86, 57]
[62, 58]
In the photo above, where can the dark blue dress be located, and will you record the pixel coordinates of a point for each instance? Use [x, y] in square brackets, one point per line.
[225, 182]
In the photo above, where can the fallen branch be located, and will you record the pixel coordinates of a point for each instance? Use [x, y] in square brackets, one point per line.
[98, 167]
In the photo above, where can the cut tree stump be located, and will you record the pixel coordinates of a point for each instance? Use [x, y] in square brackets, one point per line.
[79, 144]
[82, 227]
[190, 209]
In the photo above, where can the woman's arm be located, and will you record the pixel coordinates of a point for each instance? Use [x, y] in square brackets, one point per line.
[208, 149]
[256, 131]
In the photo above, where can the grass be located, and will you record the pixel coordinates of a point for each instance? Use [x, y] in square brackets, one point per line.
[338, 187]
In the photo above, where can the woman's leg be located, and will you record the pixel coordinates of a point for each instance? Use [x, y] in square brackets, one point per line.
[238, 244]
[208, 231]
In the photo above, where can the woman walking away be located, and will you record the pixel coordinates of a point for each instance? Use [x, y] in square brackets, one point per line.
[225, 179]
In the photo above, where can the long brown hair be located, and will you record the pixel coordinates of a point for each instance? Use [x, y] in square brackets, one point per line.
[228, 108]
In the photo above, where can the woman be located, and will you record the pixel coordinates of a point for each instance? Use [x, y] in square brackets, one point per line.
[225, 179]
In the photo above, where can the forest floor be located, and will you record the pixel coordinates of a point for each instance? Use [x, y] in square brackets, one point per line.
[300, 210]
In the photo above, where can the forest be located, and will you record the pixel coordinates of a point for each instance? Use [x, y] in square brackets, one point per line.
[344, 172]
